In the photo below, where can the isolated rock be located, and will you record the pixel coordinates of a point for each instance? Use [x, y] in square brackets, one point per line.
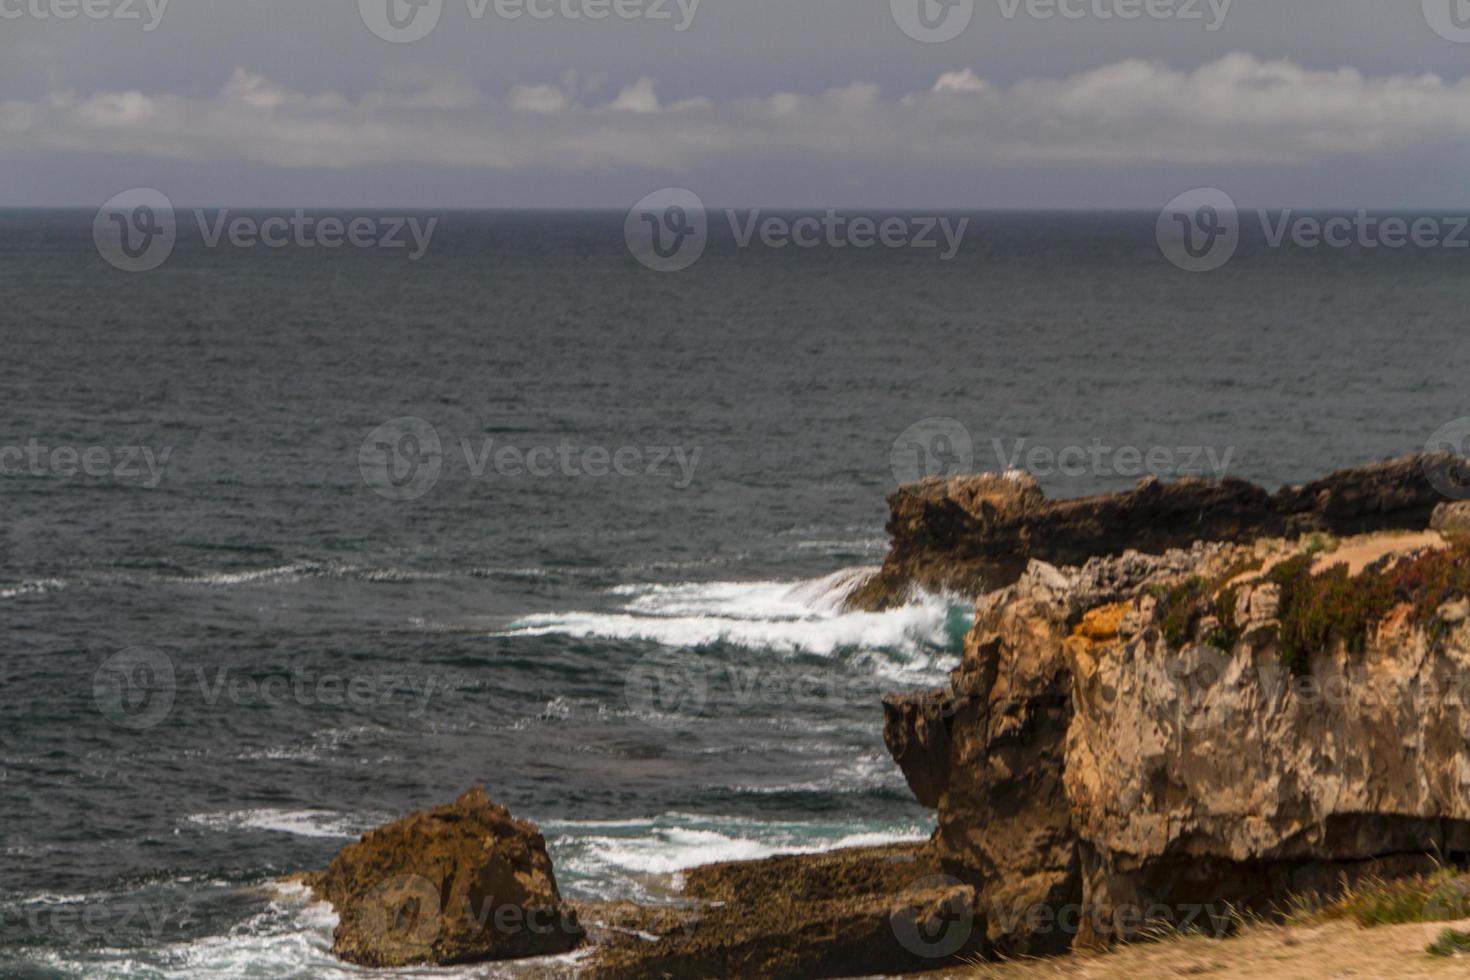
[455, 884]
[971, 533]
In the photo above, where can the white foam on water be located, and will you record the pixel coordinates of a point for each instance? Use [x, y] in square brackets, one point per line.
[857, 776]
[641, 858]
[676, 849]
[788, 617]
[38, 586]
[251, 576]
[302, 823]
[844, 547]
[290, 939]
[618, 866]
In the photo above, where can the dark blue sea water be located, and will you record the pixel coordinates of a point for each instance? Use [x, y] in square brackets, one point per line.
[230, 642]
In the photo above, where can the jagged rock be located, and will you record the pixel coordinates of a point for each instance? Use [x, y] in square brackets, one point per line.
[970, 533]
[455, 884]
[1452, 518]
[856, 912]
[1096, 768]
[1004, 826]
[916, 730]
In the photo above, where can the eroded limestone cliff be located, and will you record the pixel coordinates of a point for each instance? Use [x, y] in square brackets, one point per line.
[1139, 737]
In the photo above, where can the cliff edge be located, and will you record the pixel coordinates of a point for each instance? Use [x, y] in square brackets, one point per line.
[1139, 739]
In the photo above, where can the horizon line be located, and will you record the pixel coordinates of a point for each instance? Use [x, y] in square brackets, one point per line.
[615, 210]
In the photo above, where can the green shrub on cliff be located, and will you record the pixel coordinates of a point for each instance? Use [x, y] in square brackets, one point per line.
[1320, 607]
[1186, 603]
[1183, 608]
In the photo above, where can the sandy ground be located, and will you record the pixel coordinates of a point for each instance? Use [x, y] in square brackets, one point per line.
[1359, 553]
[1329, 950]
[1356, 552]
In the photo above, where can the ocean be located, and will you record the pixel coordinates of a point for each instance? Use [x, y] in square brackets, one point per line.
[297, 541]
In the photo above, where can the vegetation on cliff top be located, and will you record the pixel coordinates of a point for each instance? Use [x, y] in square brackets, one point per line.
[1320, 607]
[1186, 603]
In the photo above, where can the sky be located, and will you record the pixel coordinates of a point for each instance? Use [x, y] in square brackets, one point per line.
[771, 103]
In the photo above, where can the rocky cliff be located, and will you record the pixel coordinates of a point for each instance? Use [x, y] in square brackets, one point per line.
[971, 533]
[1139, 738]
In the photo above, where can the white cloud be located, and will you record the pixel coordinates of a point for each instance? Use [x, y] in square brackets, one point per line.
[960, 81]
[638, 97]
[1234, 110]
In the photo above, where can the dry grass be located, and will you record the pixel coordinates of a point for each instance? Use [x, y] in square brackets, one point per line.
[1443, 896]
[1410, 928]
[1328, 949]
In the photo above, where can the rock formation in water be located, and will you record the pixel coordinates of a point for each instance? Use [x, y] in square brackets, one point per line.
[971, 533]
[455, 884]
[465, 883]
[856, 912]
[1138, 738]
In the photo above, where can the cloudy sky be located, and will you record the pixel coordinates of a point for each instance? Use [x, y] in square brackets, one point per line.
[802, 103]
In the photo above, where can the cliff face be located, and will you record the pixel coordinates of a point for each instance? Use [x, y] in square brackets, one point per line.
[1219, 769]
[971, 533]
[1165, 737]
